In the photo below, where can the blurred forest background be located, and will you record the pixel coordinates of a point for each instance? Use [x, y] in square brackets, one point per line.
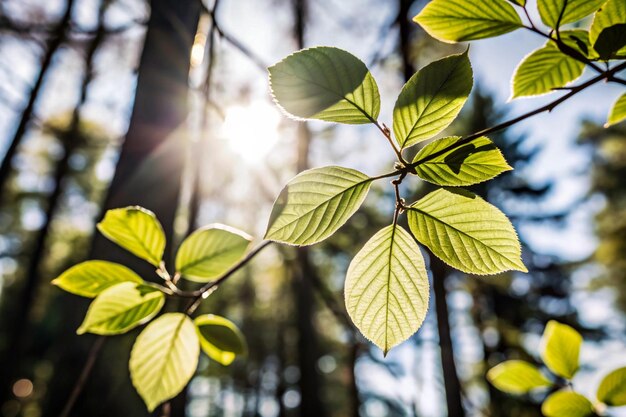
[165, 104]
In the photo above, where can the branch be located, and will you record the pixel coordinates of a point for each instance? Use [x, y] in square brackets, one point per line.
[606, 75]
[84, 376]
[208, 288]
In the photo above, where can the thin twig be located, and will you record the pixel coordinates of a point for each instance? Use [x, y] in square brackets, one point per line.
[547, 108]
[208, 288]
[84, 375]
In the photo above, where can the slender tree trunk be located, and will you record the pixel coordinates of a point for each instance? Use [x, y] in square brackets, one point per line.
[70, 139]
[439, 270]
[53, 44]
[452, 384]
[311, 404]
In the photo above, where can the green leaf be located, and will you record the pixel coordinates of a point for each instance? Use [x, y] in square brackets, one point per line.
[387, 288]
[137, 230]
[612, 389]
[612, 42]
[578, 40]
[315, 203]
[90, 278]
[466, 20]
[543, 70]
[550, 10]
[442, 162]
[164, 358]
[561, 349]
[210, 251]
[466, 232]
[618, 112]
[220, 338]
[120, 308]
[567, 404]
[608, 30]
[517, 377]
[327, 84]
[519, 2]
[431, 99]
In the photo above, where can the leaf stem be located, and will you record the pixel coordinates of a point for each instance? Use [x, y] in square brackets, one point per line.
[209, 287]
[387, 134]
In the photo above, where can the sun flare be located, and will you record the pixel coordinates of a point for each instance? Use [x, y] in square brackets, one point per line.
[251, 130]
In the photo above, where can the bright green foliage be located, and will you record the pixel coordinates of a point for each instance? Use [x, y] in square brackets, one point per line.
[567, 404]
[550, 10]
[316, 203]
[561, 349]
[220, 338]
[519, 2]
[387, 288]
[608, 30]
[618, 112]
[210, 251]
[543, 70]
[465, 20]
[466, 232]
[578, 40]
[90, 278]
[444, 163]
[431, 99]
[136, 230]
[164, 358]
[517, 377]
[612, 389]
[120, 308]
[327, 84]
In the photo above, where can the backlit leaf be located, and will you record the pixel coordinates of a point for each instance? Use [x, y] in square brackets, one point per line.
[315, 203]
[210, 251]
[444, 163]
[466, 20]
[612, 389]
[567, 404]
[90, 278]
[137, 230]
[220, 338]
[519, 2]
[466, 232]
[618, 111]
[561, 349]
[120, 308]
[164, 358]
[543, 70]
[325, 83]
[608, 30]
[431, 99]
[550, 10]
[387, 288]
[517, 377]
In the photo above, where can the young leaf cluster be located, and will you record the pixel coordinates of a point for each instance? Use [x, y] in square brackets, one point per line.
[566, 53]
[387, 289]
[165, 355]
[560, 352]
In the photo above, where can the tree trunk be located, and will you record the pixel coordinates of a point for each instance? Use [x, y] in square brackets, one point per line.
[311, 404]
[57, 39]
[148, 174]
